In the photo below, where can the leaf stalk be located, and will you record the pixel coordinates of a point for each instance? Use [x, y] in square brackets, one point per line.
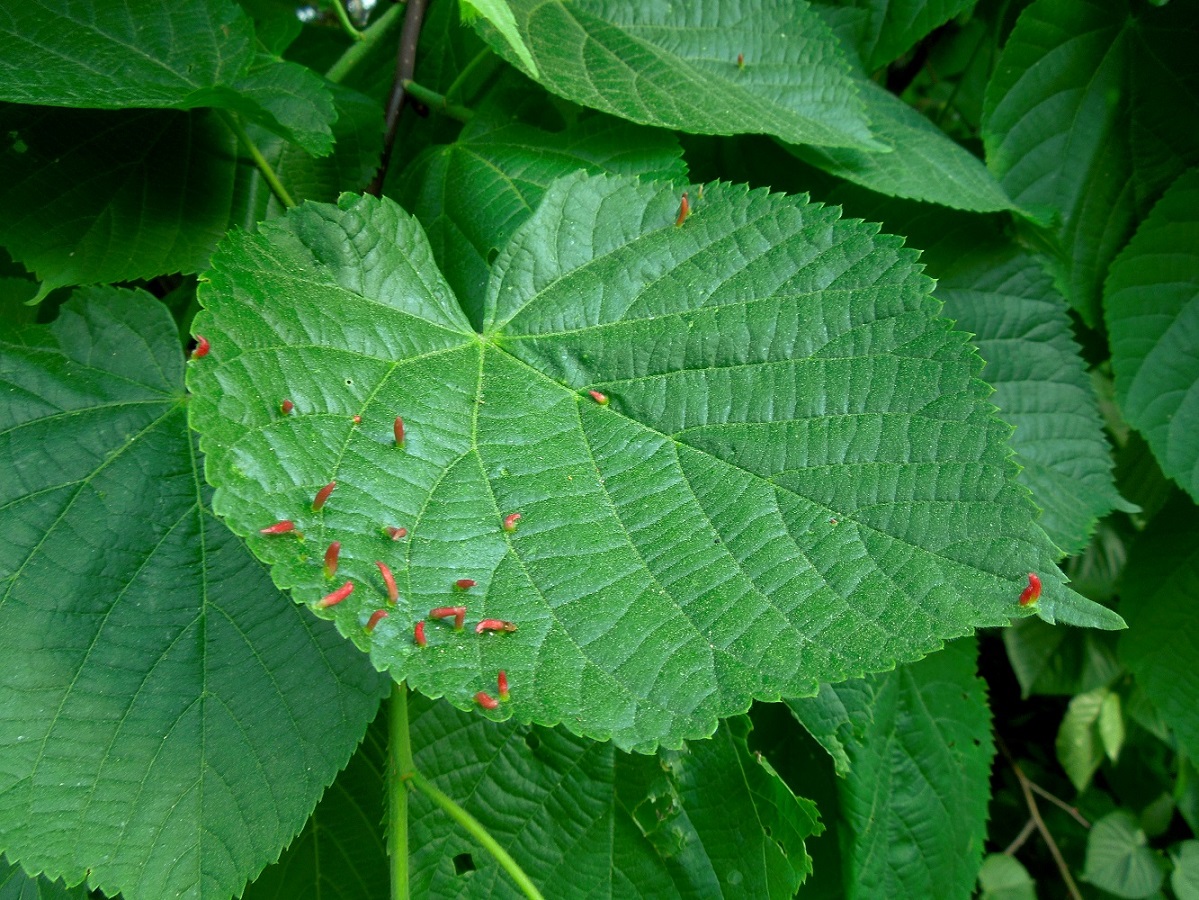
[264, 167]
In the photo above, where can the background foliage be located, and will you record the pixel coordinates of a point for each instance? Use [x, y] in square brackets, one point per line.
[826, 456]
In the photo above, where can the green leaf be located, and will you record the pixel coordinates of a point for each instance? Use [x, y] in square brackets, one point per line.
[918, 767]
[179, 716]
[511, 165]
[881, 31]
[1118, 860]
[1079, 746]
[924, 163]
[340, 852]
[1151, 301]
[838, 718]
[586, 820]
[675, 66]
[1062, 661]
[16, 885]
[1185, 877]
[1003, 877]
[92, 196]
[1160, 596]
[797, 478]
[499, 14]
[140, 53]
[1052, 130]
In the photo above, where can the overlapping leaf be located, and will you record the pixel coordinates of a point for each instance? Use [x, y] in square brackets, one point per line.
[796, 479]
[677, 66]
[923, 162]
[1160, 591]
[585, 820]
[95, 196]
[883, 30]
[173, 719]
[511, 165]
[914, 747]
[118, 54]
[16, 885]
[1151, 301]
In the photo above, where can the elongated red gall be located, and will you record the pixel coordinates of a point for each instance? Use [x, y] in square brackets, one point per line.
[286, 407]
[601, 399]
[464, 584]
[510, 521]
[444, 612]
[1032, 593]
[393, 593]
[418, 635]
[376, 617]
[684, 210]
[502, 683]
[337, 596]
[740, 60]
[398, 428]
[494, 625]
[395, 533]
[486, 701]
[287, 525]
[202, 347]
[331, 556]
[322, 495]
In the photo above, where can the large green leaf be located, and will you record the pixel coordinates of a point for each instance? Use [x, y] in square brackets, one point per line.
[797, 478]
[116, 54]
[499, 14]
[173, 719]
[95, 196]
[585, 820]
[917, 748]
[924, 163]
[1160, 592]
[511, 164]
[676, 66]
[883, 30]
[1151, 301]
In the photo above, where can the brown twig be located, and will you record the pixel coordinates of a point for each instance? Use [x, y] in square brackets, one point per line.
[1026, 788]
[1018, 841]
[1060, 804]
[414, 17]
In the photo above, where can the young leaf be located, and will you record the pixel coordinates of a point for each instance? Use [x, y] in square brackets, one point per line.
[586, 820]
[93, 196]
[1119, 860]
[797, 478]
[1160, 591]
[179, 715]
[1150, 301]
[918, 750]
[676, 66]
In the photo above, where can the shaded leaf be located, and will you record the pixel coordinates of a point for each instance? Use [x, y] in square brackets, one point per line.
[471, 195]
[140, 53]
[1160, 595]
[340, 854]
[923, 162]
[94, 196]
[16, 885]
[1063, 661]
[164, 707]
[883, 30]
[918, 767]
[1079, 743]
[1185, 877]
[1003, 877]
[1118, 860]
[797, 478]
[838, 718]
[585, 820]
[675, 66]
[1151, 301]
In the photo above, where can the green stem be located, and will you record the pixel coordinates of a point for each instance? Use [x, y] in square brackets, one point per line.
[399, 761]
[259, 160]
[437, 101]
[344, 18]
[354, 54]
[477, 831]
